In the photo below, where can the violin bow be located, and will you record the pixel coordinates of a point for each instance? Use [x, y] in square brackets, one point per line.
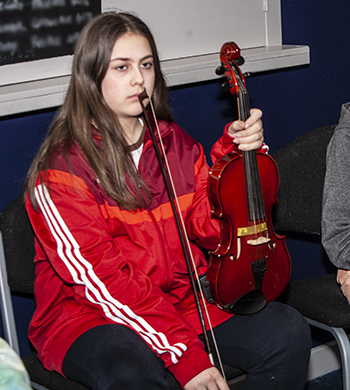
[164, 165]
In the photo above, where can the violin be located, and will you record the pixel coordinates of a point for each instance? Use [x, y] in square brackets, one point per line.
[251, 265]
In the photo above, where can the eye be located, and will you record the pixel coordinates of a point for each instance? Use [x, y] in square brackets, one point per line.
[121, 67]
[147, 65]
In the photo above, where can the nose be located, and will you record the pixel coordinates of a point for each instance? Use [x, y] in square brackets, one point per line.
[137, 76]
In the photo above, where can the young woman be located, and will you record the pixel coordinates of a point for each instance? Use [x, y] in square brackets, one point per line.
[115, 308]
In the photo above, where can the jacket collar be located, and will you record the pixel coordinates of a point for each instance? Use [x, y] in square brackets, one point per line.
[165, 129]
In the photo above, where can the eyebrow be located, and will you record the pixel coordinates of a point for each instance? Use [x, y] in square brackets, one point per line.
[128, 59]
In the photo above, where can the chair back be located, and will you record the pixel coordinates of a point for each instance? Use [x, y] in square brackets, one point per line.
[302, 168]
[18, 241]
[17, 273]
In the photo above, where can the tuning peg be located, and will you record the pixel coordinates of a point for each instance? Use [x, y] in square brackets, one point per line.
[225, 87]
[240, 61]
[220, 70]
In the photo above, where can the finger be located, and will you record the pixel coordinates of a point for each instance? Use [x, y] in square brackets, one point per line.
[253, 133]
[346, 292]
[255, 115]
[341, 272]
[345, 285]
[236, 126]
[256, 128]
[250, 146]
[209, 379]
[218, 383]
[222, 384]
[254, 118]
[250, 142]
[342, 277]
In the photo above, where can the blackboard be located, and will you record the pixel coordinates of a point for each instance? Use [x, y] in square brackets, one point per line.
[38, 29]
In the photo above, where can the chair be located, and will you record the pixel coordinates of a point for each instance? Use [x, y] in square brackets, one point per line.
[17, 277]
[17, 274]
[302, 165]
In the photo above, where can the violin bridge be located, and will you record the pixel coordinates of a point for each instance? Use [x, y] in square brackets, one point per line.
[259, 241]
[253, 230]
[249, 231]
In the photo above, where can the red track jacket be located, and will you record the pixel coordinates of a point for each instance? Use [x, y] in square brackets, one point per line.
[99, 264]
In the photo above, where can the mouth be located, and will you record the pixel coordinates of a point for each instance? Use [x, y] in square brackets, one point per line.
[135, 96]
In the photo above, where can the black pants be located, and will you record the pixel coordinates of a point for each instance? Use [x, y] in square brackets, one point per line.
[272, 347]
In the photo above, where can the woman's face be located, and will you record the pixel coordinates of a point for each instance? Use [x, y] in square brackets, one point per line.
[130, 70]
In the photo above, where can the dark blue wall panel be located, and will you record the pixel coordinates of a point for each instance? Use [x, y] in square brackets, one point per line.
[20, 139]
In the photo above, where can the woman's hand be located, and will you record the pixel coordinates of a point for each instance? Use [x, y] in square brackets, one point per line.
[248, 135]
[343, 278]
[209, 379]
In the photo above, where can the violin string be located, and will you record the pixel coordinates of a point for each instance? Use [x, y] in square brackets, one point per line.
[250, 182]
[258, 203]
[252, 177]
[256, 185]
[188, 244]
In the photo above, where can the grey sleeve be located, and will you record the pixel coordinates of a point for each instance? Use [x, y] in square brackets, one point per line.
[336, 195]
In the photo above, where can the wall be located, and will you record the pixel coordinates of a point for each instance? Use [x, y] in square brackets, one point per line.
[293, 101]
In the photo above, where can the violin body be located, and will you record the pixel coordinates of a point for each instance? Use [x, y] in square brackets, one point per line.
[251, 265]
[239, 271]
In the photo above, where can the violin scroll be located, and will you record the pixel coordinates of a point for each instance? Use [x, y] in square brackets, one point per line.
[231, 51]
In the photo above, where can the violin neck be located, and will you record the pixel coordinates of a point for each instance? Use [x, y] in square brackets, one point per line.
[243, 105]
[255, 201]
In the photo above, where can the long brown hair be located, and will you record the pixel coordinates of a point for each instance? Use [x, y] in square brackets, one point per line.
[84, 102]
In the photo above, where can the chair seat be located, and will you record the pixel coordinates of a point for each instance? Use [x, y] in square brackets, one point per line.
[320, 299]
[49, 379]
